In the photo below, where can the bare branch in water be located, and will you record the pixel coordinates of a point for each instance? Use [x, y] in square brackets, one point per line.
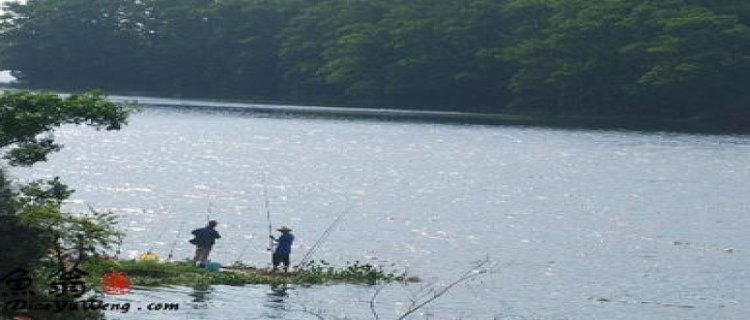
[316, 313]
[373, 303]
[430, 294]
[426, 294]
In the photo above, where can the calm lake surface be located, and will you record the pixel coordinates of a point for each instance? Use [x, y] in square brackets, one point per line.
[581, 224]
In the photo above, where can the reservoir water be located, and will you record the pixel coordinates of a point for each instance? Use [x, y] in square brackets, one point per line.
[579, 224]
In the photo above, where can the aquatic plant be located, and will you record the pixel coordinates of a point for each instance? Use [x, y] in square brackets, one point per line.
[353, 272]
[148, 273]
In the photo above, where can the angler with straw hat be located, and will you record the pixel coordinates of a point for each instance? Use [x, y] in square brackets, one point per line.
[283, 248]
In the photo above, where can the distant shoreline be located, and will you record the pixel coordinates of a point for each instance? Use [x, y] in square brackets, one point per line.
[728, 124]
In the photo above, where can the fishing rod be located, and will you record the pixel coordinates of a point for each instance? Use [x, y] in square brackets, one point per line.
[174, 243]
[210, 209]
[161, 234]
[242, 253]
[244, 249]
[324, 236]
[268, 218]
[268, 215]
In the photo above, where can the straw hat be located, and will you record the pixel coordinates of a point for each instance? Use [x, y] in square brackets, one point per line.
[284, 229]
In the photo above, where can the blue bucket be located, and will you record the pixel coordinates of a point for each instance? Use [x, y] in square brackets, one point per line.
[213, 266]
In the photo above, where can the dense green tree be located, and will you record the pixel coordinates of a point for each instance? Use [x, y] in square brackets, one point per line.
[32, 221]
[62, 44]
[676, 58]
[313, 41]
[250, 51]
[418, 53]
[630, 57]
[26, 123]
[27, 119]
[447, 54]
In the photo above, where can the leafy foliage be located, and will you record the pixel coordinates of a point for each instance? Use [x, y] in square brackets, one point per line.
[29, 243]
[322, 271]
[27, 120]
[86, 233]
[675, 58]
[24, 117]
[39, 235]
[640, 58]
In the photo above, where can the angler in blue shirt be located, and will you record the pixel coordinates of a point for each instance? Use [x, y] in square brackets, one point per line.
[283, 248]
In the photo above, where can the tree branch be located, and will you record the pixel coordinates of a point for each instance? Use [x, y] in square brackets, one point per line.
[475, 271]
[372, 302]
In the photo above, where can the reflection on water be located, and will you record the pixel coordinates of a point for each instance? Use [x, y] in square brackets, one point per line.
[276, 304]
[278, 293]
[587, 218]
[201, 295]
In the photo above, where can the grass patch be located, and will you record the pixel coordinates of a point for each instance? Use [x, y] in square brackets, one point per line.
[144, 273]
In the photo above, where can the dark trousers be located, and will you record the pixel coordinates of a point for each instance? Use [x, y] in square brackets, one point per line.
[279, 259]
[201, 254]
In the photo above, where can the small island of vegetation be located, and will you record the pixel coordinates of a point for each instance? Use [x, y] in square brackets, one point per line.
[148, 273]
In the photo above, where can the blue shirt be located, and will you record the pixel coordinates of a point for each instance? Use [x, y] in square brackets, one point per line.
[284, 244]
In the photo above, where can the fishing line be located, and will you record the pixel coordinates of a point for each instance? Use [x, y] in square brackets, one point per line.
[161, 234]
[268, 215]
[242, 253]
[209, 212]
[174, 243]
[324, 236]
[266, 207]
[244, 249]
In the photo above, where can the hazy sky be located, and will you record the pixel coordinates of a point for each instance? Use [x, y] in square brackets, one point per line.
[4, 1]
[4, 75]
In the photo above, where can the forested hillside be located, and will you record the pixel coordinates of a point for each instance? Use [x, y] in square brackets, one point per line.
[650, 58]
